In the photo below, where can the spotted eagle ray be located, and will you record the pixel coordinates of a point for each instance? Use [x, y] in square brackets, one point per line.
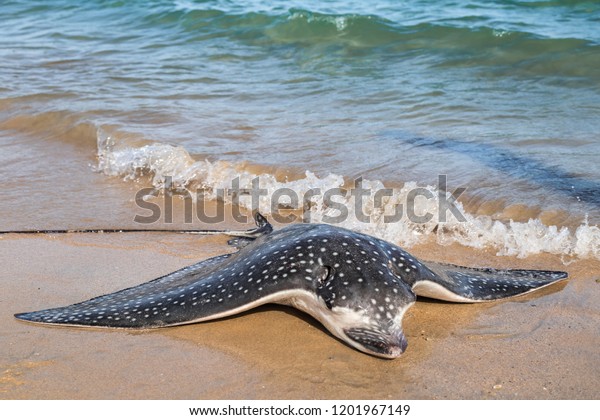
[358, 286]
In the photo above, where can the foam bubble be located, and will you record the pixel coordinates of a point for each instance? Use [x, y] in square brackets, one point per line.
[519, 239]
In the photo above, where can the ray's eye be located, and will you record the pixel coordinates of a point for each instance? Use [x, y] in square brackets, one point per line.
[395, 269]
[324, 273]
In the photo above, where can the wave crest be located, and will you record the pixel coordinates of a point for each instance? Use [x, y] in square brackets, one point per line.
[520, 239]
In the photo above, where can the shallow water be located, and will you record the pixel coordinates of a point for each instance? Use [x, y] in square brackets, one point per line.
[501, 97]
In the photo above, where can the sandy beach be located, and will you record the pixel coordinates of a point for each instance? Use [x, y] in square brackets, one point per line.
[540, 346]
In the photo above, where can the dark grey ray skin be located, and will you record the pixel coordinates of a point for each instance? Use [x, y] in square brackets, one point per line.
[357, 286]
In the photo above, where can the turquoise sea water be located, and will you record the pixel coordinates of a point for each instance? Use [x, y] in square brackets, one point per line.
[503, 97]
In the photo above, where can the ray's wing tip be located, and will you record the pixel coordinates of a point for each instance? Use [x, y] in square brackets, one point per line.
[560, 275]
[26, 316]
[37, 317]
[545, 276]
[549, 277]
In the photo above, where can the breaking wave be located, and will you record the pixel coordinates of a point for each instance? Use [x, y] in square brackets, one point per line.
[507, 238]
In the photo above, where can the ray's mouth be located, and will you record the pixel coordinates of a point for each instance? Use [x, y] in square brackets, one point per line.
[389, 346]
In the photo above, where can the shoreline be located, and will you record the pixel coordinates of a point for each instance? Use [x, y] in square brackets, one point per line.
[538, 346]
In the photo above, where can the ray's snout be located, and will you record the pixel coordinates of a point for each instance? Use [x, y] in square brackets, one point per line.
[388, 345]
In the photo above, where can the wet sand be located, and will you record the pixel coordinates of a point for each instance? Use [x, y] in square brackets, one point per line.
[540, 346]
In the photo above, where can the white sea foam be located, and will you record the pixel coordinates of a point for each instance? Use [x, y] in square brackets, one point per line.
[519, 239]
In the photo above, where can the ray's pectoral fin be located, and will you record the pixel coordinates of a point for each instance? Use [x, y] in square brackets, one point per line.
[184, 296]
[152, 304]
[463, 284]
